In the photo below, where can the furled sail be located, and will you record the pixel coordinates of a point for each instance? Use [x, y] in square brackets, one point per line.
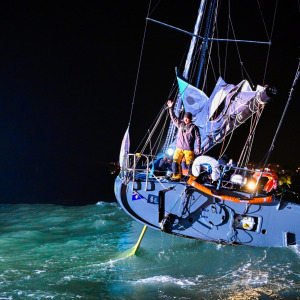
[124, 149]
[228, 107]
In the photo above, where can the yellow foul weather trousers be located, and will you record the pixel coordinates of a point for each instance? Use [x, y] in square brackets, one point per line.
[177, 157]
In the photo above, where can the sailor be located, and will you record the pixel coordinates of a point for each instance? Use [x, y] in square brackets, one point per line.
[165, 165]
[187, 133]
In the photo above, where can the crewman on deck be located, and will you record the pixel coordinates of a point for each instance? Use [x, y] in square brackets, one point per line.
[187, 134]
[164, 166]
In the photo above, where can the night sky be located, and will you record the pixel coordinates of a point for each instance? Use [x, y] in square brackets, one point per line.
[68, 71]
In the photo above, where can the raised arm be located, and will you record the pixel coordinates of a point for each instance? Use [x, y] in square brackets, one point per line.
[172, 115]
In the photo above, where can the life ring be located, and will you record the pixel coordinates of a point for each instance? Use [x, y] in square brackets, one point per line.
[204, 189]
[272, 182]
[208, 164]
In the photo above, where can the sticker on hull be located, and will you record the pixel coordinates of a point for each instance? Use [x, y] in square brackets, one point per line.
[153, 199]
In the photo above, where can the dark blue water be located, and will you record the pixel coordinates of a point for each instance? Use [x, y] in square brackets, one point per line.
[56, 252]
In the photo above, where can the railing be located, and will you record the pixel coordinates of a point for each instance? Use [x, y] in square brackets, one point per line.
[131, 167]
[251, 179]
[229, 175]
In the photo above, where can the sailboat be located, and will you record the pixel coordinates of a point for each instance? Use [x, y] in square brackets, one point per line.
[219, 201]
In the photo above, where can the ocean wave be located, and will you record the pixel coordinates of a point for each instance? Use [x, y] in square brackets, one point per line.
[296, 250]
[109, 204]
[82, 253]
[166, 279]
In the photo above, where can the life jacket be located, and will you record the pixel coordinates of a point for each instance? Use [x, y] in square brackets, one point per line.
[272, 182]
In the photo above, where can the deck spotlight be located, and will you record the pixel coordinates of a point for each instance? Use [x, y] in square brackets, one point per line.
[170, 151]
[251, 185]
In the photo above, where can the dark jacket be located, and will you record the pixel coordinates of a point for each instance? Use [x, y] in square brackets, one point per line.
[187, 133]
[165, 165]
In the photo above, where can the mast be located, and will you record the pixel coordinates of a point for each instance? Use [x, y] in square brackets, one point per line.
[178, 104]
[185, 74]
[205, 40]
[193, 41]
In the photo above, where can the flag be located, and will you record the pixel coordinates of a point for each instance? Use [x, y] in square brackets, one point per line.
[193, 99]
[136, 196]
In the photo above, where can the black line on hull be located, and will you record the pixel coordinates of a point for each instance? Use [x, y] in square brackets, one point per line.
[128, 208]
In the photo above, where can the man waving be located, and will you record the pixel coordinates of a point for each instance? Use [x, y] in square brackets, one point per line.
[187, 133]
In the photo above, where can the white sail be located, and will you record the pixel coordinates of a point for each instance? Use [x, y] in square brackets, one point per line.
[124, 148]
